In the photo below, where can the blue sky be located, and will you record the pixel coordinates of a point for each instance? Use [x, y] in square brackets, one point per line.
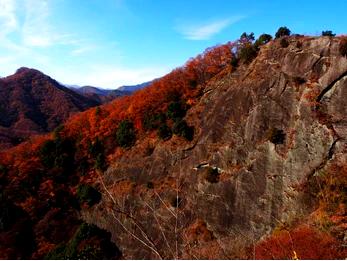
[109, 43]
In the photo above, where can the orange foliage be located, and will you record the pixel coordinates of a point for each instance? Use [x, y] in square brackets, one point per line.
[43, 247]
[28, 205]
[311, 97]
[50, 186]
[304, 242]
[122, 188]
[199, 232]
[16, 156]
[185, 82]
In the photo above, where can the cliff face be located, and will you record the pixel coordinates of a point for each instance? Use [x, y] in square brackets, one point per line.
[262, 133]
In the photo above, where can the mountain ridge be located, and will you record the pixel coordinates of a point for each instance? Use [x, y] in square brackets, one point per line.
[236, 154]
[132, 88]
[34, 103]
[99, 94]
[26, 89]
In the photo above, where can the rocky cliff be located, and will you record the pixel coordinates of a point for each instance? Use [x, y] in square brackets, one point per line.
[263, 133]
[240, 153]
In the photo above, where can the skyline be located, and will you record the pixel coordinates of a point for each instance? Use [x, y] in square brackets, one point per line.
[110, 43]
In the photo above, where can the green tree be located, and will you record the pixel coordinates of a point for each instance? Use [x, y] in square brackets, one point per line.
[152, 121]
[125, 134]
[246, 50]
[58, 153]
[282, 31]
[95, 148]
[328, 33]
[89, 242]
[176, 110]
[182, 129]
[88, 194]
[247, 53]
[164, 132]
[100, 162]
[48, 153]
[263, 39]
[247, 37]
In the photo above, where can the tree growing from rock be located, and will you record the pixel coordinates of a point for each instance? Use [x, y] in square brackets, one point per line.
[282, 31]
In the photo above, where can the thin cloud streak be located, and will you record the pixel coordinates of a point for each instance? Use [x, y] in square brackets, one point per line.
[37, 30]
[206, 31]
[82, 50]
[28, 34]
[8, 19]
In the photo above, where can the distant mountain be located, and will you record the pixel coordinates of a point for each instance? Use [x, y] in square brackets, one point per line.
[102, 95]
[132, 88]
[33, 103]
[97, 94]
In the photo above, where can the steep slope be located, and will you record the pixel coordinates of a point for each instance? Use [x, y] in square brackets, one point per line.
[52, 178]
[264, 137]
[33, 103]
[214, 160]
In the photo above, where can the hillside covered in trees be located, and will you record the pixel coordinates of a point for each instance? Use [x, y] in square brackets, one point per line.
[33, 103]
[239, 153]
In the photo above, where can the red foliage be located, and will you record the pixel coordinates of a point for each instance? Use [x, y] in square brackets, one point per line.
[22, 165]
[199, 232]
[33, 103]
[304, 242]
[185, 82]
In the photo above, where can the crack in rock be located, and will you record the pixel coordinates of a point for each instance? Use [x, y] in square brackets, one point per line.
[329, 87]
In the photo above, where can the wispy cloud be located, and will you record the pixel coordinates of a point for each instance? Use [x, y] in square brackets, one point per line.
[82, 49]
[8, 19]
[28, 34]
[33, 29]
[205, 31]
[37, 30]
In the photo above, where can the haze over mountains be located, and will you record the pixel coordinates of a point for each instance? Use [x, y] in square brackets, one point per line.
[132, 88]
[99, 95]
[103, 95]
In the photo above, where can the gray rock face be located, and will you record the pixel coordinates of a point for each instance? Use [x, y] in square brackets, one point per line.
[158, 198]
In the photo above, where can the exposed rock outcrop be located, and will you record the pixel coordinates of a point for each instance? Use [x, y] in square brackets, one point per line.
[297, 93]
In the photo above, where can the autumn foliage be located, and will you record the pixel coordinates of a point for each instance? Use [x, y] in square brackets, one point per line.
[32, 103]
[41, 176]
[46, 181]
[303, 242]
